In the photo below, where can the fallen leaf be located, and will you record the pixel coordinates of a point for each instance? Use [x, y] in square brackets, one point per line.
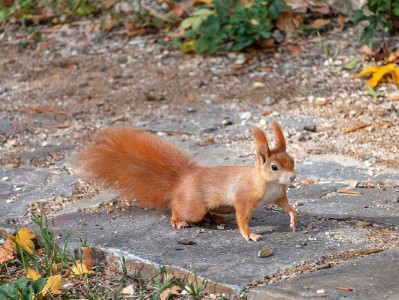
[55, 156]
[132, 29]
[348, 192]
[32, 274]
[344, 288]
[373, 93]
[264, 69]
[109, 4]
[305, 181]
[351, 64]
[322, 102]
[129, 290]
[319, 23]
[87, 257]
[207, 2]
[291, 49]
[172, 291]
[44, 45]
[357, 127]
[6, 251]
[80, 268]
[24, 239]
[377, 73]
[108, 23]
[341, 22]
[268, 44]
[287, 22]
[53, 285]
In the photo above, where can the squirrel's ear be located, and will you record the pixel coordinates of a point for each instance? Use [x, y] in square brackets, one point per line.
[279, 137]
[262, 156]
[262, 146]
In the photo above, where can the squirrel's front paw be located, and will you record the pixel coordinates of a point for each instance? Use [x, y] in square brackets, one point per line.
[252, 237]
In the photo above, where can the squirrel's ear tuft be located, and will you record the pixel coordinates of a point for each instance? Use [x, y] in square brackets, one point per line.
[279, 137]
[262, 146]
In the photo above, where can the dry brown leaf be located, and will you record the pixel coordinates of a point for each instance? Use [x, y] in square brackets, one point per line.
[44, 45]
[348, 192]
[264, 69]
[322, 102]
[344, 288]
[55, 156]
[6, 251]
[109, 4]
[305, 181]
[357, 127]
[88, 257]
[268, 44]
[108, 23]
[291, 49]
[341, 22]
[132, 29]
[172, 291]
[129, 290]
[285, 21]
[319, 23]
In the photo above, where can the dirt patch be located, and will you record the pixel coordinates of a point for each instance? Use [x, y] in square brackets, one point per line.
[56, 97]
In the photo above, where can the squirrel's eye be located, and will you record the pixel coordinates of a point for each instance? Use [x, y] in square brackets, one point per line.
[274, 168]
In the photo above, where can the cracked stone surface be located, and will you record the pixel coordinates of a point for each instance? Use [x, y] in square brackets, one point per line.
[222, 256]
[369, 277]
[24, 185]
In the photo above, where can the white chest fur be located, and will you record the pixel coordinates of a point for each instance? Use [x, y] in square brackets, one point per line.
[273, 193]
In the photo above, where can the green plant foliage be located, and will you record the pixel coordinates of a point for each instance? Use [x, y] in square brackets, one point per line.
[384, 14]
[230, 22]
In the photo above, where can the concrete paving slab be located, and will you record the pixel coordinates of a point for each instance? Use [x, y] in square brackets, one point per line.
[314, 191]
[371, 277]
[334, 172]
[24, 185]
[221, 256]
[373, 204]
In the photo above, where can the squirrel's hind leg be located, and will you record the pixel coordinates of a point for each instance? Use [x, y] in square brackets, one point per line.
[176, 222]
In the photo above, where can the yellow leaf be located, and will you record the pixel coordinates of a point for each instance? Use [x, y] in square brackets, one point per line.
[79, 268]
[377, 74]
[207, 2]
[188, 46]
[53, 285]
[32, 274]
[6, 251]
[24, 239]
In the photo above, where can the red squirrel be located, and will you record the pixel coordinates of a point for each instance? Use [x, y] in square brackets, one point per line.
[156, 174]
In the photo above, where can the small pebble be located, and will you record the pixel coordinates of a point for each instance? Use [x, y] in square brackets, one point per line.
[221, 226]
[323, 266]
[191, 110]
[265, 252]
[227, 122]
[83, 84]
[362, 224]
[102, 68]
[320, 292]
[397, 199]
[186, 242]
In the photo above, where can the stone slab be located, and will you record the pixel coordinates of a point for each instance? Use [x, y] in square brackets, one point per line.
[371, 277]
[221, 256]
[375, 205]
[24, 185]
[328, 171]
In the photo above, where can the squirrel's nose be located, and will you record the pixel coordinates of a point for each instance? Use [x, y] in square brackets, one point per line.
[292, 178]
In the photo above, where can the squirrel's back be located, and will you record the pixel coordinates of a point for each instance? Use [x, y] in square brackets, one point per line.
[137, 164]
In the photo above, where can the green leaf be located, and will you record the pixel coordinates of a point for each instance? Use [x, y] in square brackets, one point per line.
[275, 9]
[396, 11]
[351, 64]
[374, 93]
[8, 292]
[203, 12]
[358, 16]
[369, 32]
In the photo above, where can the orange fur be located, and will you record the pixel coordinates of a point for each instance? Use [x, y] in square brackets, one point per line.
[156, 174]
[137, 164]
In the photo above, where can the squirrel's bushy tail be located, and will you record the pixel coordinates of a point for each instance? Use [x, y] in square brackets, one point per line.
[137, 164]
